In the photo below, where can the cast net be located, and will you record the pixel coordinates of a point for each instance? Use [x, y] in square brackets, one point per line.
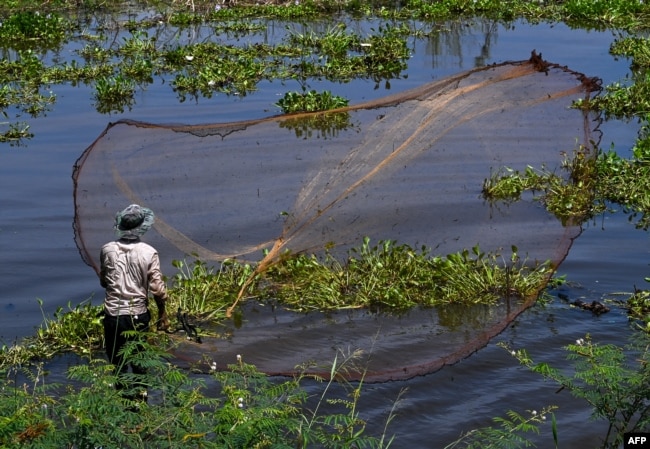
[409, 168]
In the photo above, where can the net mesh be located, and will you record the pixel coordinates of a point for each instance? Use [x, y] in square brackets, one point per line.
[408, 167]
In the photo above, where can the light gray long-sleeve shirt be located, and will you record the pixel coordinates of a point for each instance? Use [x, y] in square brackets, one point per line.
[130, 270]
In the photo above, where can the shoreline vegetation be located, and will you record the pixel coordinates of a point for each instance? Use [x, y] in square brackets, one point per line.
[251, 410]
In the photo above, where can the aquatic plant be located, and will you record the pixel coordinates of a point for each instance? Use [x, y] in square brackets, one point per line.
[311, 101]
[592, 185]
[33, 30]
[638, 307]
[204, 291]
[116, 68]
[78, 328]
[386, 276]
[114, 94]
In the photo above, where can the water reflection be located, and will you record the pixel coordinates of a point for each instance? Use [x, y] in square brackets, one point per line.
[395, 346]
[327, 125]
[453, 41]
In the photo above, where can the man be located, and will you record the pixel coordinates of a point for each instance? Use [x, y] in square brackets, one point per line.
[130, 270]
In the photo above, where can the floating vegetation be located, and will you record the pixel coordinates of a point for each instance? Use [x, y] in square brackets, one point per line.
[115, 67]
[388, 276]
[638, 307]
[311, 101]
[571, 197]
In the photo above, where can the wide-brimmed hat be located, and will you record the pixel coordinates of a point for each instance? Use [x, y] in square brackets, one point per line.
[133, 221]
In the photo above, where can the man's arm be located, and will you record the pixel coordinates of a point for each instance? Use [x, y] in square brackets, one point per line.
[158, 290]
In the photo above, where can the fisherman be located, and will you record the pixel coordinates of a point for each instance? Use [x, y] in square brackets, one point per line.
[130, 271]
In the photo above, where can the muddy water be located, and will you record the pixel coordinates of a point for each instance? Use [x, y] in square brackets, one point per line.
[39, 258]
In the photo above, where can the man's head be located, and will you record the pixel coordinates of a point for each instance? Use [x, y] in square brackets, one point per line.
[133, 222]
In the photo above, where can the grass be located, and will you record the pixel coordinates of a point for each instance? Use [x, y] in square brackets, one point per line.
[249, 410]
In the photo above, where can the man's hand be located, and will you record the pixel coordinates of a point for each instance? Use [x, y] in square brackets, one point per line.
[163, 321]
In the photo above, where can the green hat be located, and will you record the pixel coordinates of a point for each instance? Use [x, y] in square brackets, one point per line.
[133, 221]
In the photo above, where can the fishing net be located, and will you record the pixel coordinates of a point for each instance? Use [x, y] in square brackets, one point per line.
[408, 167]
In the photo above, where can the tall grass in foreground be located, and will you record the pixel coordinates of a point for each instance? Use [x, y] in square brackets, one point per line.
[238, 407]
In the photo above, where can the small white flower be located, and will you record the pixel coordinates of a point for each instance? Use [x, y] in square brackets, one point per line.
[189, 57]
[534, 412]
[513, 352]
[239, 357]
[213, 367]
[217, 7]
[240, 400]
[211, 83]
[365, 44]
[241, 405]
[580, 341]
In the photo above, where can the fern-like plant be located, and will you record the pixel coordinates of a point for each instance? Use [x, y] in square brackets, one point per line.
[615, 381]
[509, 432]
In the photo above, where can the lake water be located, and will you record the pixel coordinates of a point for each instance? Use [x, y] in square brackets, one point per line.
[39, 258]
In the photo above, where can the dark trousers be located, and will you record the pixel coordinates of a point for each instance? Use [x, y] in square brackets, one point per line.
[114, 327]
